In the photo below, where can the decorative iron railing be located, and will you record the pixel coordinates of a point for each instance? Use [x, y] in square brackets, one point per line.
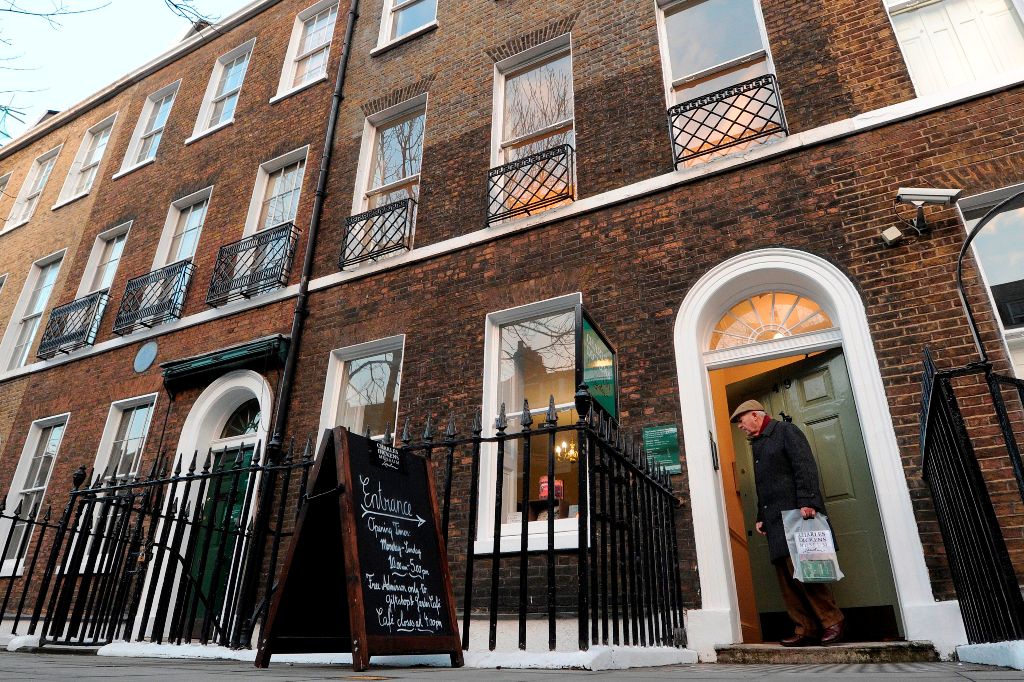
[73, 325]
[531, 184]
[170, 557]
[154, 298]
[378, 232]
[627, 588]
[254, 265]
[727, 118]
[986, 586]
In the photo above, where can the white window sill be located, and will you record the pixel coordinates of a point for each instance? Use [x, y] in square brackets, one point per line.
[15, 226]
[125, 171]
[70, 200]
[425, 28]
[210, 131]
[566, 537]
[297, 89]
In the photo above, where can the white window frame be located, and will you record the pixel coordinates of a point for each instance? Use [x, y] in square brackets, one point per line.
[117, 409]
[336, 375]
[672, 81]
[513, 66]
[292, 57]
[892, 7]
[1012, 337]
[14, 567]
[566, 530]
[129, 163]
[371, 124]
[14, 325]
[78, 167]
[29, 193]
[5, 180]
[387, 21]
[203, 126]
[259, 190]
[93, 264]
[162, 257]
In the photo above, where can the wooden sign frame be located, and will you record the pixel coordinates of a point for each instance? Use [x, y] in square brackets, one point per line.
[309, 612]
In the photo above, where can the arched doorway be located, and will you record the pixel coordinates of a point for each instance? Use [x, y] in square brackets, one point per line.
[717, 621]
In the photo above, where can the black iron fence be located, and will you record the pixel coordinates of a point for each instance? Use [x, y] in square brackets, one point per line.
[531, 184]
[170, 557]
[727, 118]
[73, 325]
[251, 266]
[154, 298]
[189, 555]
[378, 232]
[986, 585]
[625, 561]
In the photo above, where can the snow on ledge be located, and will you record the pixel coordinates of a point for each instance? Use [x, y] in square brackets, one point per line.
[597, 658]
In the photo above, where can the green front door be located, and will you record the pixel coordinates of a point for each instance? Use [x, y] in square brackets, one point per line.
[218, 530]
[815, 393]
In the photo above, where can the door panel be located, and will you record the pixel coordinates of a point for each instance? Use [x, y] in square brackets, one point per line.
[816, 394]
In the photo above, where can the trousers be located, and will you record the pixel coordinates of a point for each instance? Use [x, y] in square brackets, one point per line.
[810, 606]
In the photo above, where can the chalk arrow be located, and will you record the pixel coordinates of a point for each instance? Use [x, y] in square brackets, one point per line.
[418, 518]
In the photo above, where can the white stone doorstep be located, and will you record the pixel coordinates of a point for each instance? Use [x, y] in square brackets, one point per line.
[1006, 654]
[597, 658]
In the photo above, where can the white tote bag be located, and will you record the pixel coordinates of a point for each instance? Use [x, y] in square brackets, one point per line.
[811, 547]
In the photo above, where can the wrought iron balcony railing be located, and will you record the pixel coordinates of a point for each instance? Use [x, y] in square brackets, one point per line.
[378, 232]
[727, 118]
[73, 325]
[531, 184]
[154, 298]
[254, 265]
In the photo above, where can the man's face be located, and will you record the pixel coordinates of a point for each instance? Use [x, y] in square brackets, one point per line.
[749, 423]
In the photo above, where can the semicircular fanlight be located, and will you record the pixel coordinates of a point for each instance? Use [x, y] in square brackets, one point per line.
[768, 316]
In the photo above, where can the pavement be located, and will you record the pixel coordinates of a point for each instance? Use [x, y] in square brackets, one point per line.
[36, 666]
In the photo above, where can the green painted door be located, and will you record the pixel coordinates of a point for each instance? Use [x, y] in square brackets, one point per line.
[816, 394]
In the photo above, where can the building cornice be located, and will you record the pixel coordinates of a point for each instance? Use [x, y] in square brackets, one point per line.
[186, 46]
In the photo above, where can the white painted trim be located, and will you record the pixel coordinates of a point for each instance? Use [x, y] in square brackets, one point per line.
[210, 131]
[284, 84]
[714, 293]
[425, 28]
[202, 126]
[117, 408]
[387, 16]
[128, 163]
[832, 132]
[8, 568]
[89, 273]
[162, 256]
[484, 542]
[259, 189]
[336, 372]
[17, 315]
[294, 91]
[65, 197]
[360, 201]
[756, 352]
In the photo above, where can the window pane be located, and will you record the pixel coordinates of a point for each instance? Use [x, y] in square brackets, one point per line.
[311, 67]
[282, 197]
[129, 441]
[538, 360]
[412, 15]
[369, 393]
[109, 259]
[317, 30]
[186, 234]
[538, 98]
[1000, 248]
[710, 33]
[243, 421]
[398, 151]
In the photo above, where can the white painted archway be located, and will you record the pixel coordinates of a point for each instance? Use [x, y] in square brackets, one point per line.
[216, 403]
[716, 623]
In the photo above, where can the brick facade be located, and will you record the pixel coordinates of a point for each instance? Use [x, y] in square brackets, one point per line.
[633, 260]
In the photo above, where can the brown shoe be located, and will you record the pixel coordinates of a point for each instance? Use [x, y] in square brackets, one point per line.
[795, 640]
[834, 634]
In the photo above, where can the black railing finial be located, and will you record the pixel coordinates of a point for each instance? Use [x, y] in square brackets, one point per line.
[477, 423]
[526, 419]
[501, 422]
[584, 402]
[450, 431]
[552, 415]
[78, 478]
[428, 430]
[389, 438]
[406, 436]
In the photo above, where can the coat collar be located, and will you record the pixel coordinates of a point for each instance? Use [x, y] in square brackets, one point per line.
[768, 429]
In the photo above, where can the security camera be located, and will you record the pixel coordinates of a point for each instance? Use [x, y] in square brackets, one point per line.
[927, 195]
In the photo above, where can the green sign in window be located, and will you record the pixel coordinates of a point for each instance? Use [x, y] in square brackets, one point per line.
[662, 446]
[599, 369]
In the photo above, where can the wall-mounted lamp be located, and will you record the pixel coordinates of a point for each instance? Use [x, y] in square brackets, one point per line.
[917, 196]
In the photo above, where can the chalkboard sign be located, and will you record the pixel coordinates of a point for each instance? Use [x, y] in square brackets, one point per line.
[370, 524]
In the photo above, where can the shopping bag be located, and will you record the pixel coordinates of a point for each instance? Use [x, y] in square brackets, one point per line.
[811, 547]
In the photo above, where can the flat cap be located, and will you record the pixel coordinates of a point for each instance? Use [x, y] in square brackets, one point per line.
[745, 406]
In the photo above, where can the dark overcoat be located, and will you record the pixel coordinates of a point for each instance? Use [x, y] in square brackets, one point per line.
[786, 477]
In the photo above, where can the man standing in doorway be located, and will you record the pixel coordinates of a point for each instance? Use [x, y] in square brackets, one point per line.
[786, 477]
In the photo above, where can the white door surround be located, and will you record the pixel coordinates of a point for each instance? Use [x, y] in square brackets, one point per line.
[717, 623]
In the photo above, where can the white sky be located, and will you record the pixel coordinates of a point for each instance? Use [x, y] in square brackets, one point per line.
[58, 67]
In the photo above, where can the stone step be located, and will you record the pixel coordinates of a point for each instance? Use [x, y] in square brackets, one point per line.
[853, 652]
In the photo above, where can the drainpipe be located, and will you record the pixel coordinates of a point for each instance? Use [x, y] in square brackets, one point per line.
[284, 389]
